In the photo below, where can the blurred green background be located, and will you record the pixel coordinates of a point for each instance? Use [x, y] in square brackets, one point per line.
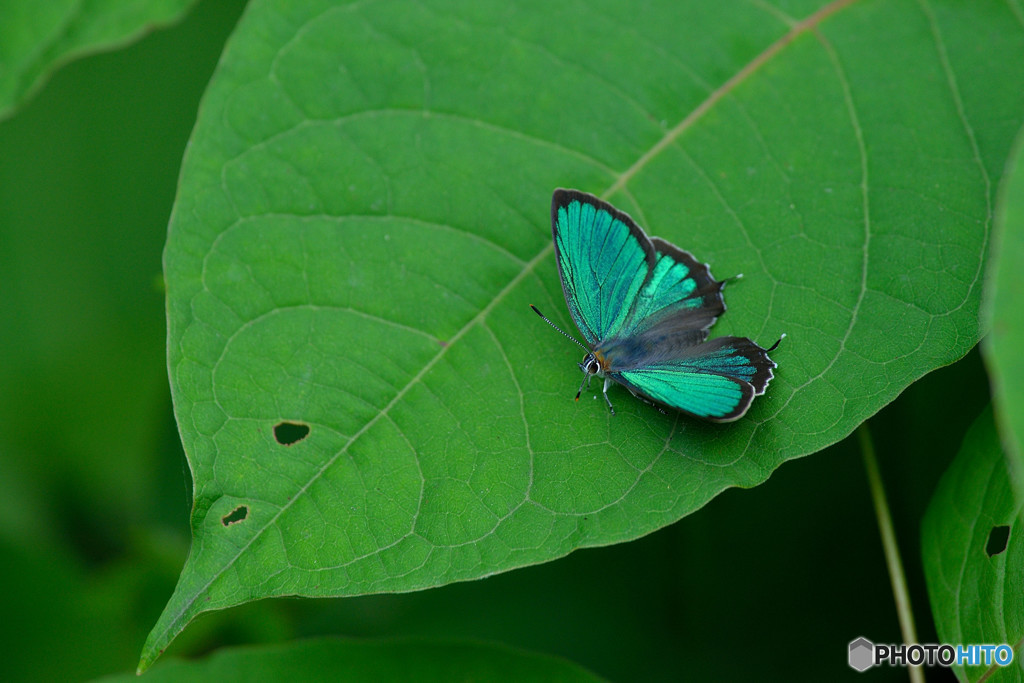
[94, 493]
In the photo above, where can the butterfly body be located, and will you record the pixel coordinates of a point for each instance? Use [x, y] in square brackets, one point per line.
[644, 307]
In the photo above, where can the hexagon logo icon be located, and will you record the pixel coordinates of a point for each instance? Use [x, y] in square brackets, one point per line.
[862, 654]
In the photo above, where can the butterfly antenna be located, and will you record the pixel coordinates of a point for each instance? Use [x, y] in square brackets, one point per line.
[562, 331]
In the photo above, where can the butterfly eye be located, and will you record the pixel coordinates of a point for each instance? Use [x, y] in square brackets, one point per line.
[590, 364]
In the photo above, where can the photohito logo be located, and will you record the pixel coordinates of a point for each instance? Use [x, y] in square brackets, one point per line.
[864, 654]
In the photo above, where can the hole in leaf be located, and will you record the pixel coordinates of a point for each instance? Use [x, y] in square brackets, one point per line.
[997, 539]
[235, 516]
[288, 433]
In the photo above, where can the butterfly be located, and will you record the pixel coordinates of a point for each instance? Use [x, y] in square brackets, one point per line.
[644, 307]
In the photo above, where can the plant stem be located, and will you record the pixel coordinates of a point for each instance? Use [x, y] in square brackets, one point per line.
[892, 553]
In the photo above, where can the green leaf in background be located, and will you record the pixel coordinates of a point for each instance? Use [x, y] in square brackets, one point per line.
[39, 37]
[334, 659]
[1005, 293]
[974, 553]
[90, 463]
[363, 219]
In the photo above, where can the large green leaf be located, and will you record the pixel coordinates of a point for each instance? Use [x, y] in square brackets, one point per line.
[973, 552]
[40, 36]
[363, 220]
[1003, 305]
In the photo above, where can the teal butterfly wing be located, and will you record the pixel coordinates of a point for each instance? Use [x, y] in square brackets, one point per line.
[644, 307]
[618, 281]
[679, 289]
[602, 260]
[715, 380]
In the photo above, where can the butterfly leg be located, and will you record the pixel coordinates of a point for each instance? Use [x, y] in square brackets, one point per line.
[608, 381]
